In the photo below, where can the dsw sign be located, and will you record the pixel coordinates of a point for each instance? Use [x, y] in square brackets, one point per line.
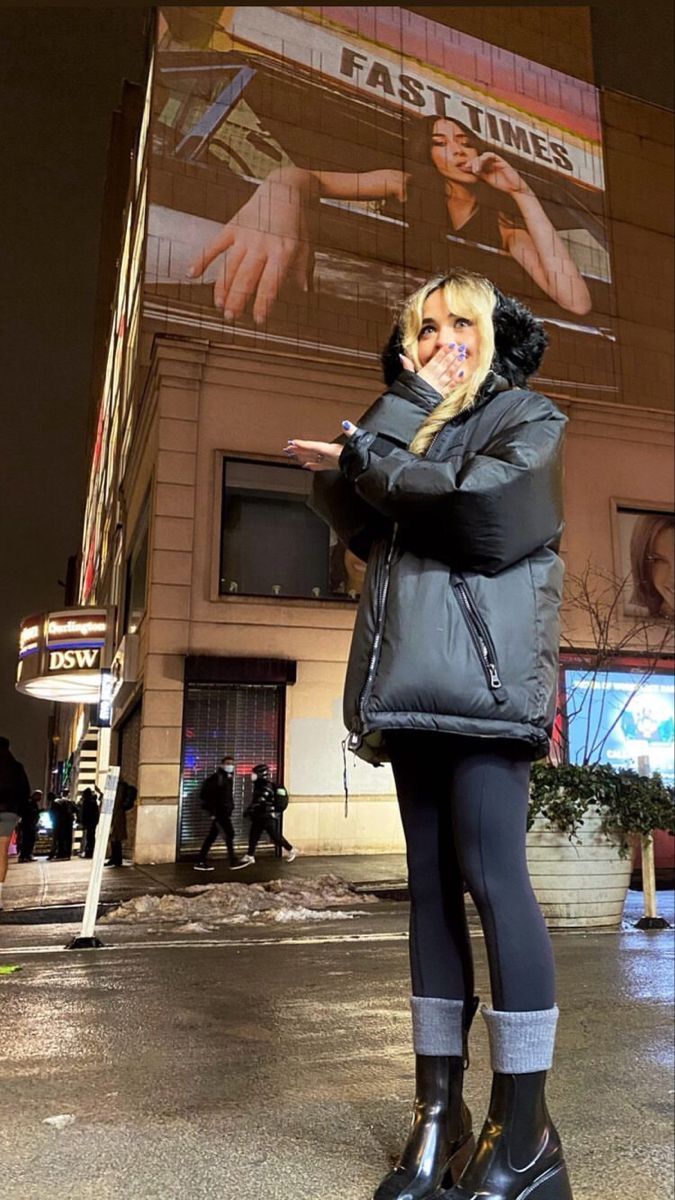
[70, 660]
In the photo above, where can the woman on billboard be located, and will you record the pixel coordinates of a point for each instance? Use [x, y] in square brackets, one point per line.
[455, 185]
[451, 486]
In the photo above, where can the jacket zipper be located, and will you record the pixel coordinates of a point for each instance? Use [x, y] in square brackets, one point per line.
[359, 724]
[481, 638]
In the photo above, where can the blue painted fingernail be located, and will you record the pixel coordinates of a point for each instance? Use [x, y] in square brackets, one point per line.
[451, 345]
[346, 424]
[459, 376]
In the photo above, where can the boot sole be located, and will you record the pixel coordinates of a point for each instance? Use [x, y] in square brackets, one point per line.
[553, 1185]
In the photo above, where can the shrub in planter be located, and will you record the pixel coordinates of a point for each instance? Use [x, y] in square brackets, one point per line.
[582, 823]
[628, 803]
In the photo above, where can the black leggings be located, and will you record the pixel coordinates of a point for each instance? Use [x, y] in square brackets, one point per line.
[266, 824]
[464, 811]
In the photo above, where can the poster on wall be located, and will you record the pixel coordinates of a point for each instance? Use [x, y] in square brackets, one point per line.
[312, 165]
[646, 545]
[617, 718]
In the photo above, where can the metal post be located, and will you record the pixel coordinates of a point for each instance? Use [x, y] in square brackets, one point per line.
[87, 940]
[651, 919]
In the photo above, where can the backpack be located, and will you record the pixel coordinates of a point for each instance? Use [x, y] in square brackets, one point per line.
[281, 799]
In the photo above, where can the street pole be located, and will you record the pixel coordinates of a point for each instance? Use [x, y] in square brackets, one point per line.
[86, 939]
[651, 919]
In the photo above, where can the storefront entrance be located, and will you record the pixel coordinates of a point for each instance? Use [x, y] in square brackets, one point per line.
[245, 720]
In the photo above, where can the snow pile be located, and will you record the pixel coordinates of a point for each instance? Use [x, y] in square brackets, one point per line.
[201, 908]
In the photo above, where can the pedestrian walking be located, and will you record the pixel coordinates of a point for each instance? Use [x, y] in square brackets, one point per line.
[217, 798]
[14, 798]
[268, 802]
[26, 833]
[125, 799]
[89, 818]
[451, 487]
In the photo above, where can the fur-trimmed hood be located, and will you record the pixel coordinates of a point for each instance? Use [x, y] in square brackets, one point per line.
[520, 342]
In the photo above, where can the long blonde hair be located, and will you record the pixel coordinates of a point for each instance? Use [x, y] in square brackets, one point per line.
[466, 295]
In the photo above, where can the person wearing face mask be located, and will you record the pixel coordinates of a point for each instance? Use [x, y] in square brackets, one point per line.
[217, 798]
[268, 802]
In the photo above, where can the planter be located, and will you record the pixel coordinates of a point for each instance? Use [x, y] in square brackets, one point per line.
[580, 884]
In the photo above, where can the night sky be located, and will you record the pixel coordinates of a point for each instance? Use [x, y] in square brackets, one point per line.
[66, 67]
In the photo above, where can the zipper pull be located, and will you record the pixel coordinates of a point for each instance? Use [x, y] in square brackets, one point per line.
[496, 684]
[495, 681]
[354, 740]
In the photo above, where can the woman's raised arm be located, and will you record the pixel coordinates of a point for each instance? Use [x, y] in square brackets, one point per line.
[268, 238]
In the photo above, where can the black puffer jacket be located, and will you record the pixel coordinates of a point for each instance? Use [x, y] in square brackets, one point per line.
[458, 625]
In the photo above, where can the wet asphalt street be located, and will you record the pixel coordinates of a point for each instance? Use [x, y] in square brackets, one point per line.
[274, 1064]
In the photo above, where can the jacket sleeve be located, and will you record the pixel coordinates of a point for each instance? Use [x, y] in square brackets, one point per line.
[354, 521]
[483, 511]
[392, 422]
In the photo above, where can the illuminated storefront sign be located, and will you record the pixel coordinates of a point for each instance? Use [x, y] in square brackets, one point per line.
[105, 700]
[62, 654]
[621, 718]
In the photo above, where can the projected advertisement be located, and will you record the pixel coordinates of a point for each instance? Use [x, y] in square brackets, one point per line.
[622, 721]
[310, 166]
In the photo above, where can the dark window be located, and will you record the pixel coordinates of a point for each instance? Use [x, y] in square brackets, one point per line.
[136, 575]
[272, 544]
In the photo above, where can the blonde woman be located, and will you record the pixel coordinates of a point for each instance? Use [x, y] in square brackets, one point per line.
[450, 486]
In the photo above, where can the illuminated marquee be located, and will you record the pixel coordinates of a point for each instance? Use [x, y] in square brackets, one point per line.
[61, 655]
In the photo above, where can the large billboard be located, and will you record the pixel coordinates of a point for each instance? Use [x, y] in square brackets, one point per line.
[311, 165]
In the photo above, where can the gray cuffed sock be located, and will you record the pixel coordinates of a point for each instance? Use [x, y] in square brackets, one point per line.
[437, 1026]
[521, 1042]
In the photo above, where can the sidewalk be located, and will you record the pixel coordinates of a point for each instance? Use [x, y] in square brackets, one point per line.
[46, 890]
[44, 884]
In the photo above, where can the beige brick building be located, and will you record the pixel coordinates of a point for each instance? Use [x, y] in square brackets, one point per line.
[194, 422]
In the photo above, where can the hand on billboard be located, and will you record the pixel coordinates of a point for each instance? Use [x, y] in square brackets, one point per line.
[445, 370]
[498, 173]
[262, 244]
[318, 456]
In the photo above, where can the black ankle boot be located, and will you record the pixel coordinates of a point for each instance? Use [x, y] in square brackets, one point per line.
[519, 1155]
[440, 1141]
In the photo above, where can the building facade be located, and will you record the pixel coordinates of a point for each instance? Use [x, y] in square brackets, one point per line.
[290, 181]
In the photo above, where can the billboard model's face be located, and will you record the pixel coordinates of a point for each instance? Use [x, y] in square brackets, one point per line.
[312, 166]
[452, 152]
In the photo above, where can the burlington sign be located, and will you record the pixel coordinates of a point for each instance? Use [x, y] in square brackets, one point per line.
[62, 654]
